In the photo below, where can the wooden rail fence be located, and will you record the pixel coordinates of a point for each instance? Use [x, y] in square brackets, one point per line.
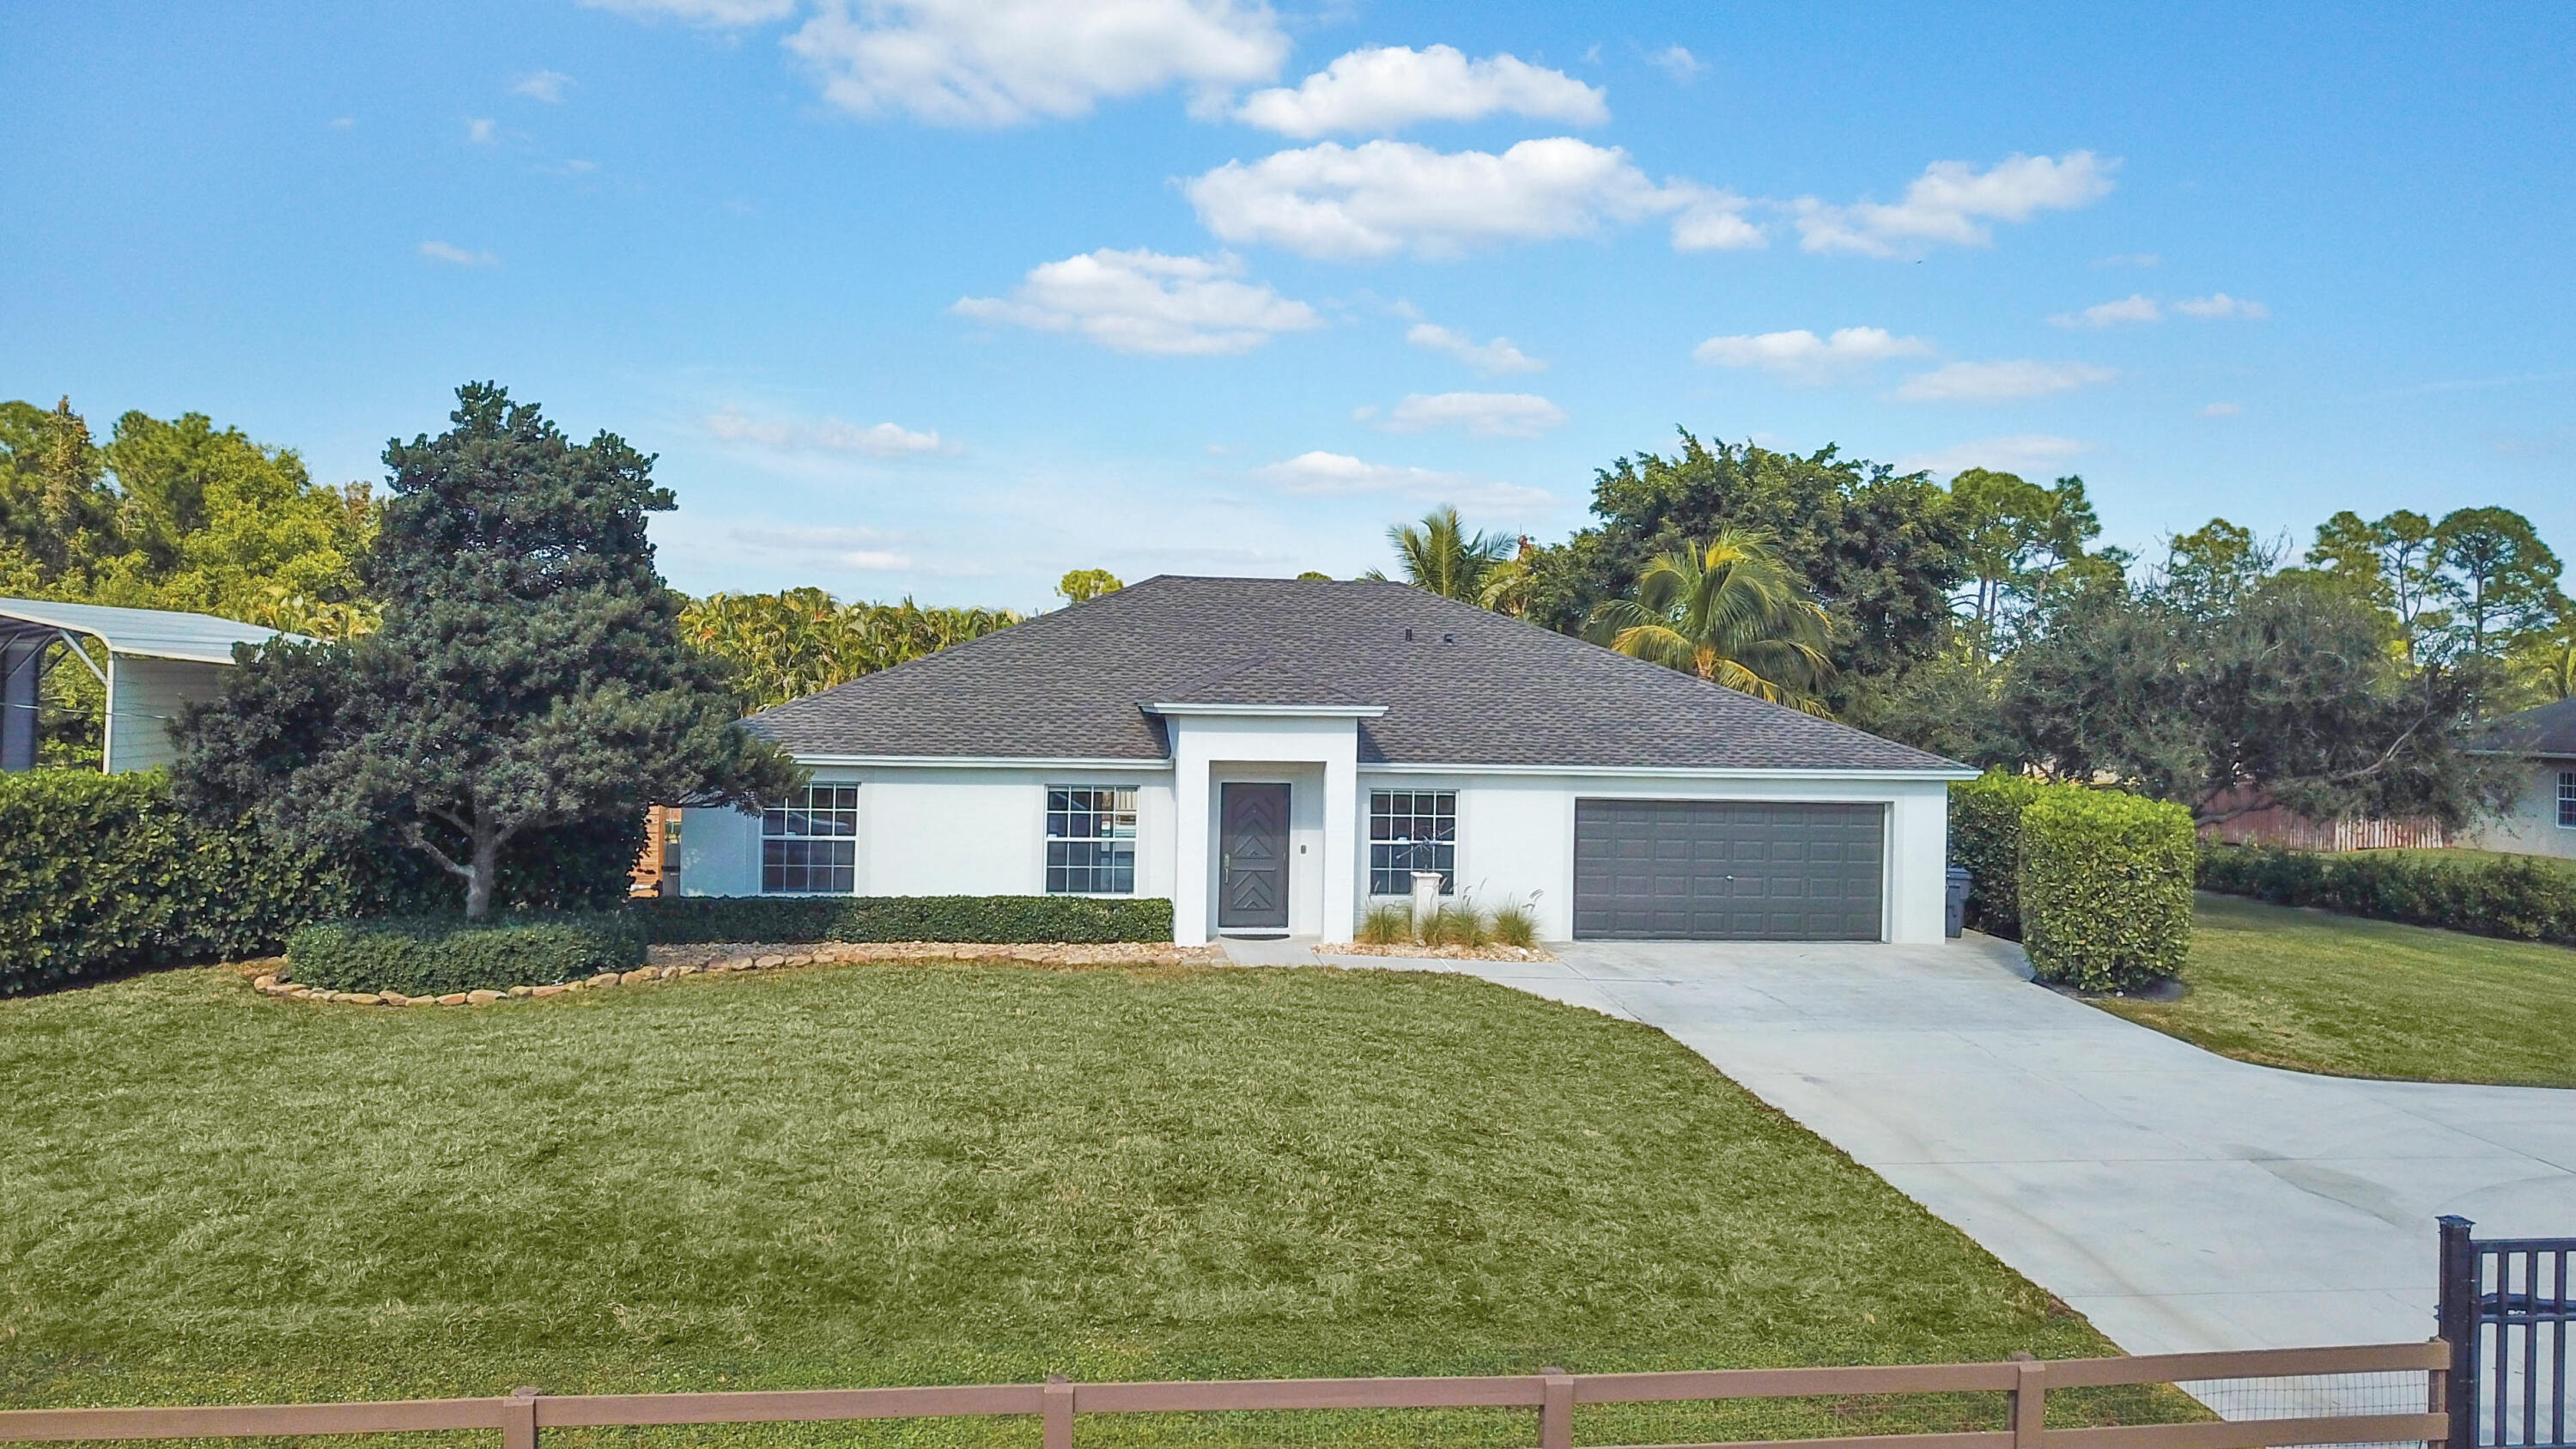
[523, 1415]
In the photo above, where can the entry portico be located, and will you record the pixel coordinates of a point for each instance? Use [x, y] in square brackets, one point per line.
[1311, 750]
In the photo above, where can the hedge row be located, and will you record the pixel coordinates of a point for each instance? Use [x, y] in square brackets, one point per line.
[101, 874]
[2095, 884]
[438, 955]
[1985, 837]
[2105, 894]
[988, 920]
[2517, 897]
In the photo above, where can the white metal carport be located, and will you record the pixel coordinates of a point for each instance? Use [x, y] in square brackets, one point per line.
[155, 660]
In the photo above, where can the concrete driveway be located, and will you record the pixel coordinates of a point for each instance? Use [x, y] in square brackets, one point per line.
[2180, 1200]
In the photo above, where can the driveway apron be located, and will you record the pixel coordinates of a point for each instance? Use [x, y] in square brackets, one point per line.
[2180, 1200]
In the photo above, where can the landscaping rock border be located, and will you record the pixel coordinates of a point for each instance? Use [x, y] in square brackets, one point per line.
[275, 977]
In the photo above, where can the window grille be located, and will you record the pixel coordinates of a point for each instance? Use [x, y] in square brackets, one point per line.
[1091, 841]
[1412, 830]
[2567, 800]
[810, 844]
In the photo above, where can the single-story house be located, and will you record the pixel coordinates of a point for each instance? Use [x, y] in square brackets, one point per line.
[1273, 754]
[2542, 819]
[151, 661]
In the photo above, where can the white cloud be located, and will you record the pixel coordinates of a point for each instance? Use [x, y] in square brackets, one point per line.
[1485, 414]
[2136, 307]
[1339, 475]
[846, 547]
[2021, 453]
[1497, 356]
[2218, 306]
[2131, 259]
[439, 251]
[1385, 197]
[2000, 381]
[545, 85]
[1378, 90]
[827, 435]
[481, 132]
[342, 123]
[1952, 202]
[724, 13]
[1143, 301]
[1678, 63]
[1802, 356]
[2222, 410]
[999, 62]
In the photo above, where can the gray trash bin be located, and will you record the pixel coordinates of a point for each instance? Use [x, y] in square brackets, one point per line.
[1955, 919]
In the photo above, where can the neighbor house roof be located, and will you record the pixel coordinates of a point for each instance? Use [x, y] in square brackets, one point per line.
[151, 633]
[2548, 730]
[1460, 686]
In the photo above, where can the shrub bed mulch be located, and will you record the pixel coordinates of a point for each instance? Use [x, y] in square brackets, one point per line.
[275, 976]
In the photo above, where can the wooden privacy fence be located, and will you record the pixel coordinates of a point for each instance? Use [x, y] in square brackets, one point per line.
[522, 1416]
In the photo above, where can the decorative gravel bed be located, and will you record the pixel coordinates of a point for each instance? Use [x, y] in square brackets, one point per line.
[1440, 953]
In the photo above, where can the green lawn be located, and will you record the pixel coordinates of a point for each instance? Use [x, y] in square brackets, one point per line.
[2327, 993]
[941, 1174]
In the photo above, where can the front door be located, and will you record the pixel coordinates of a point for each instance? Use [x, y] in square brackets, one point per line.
[1252, 861]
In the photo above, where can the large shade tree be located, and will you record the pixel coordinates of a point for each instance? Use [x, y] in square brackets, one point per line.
[797, 642]
[2226, 686]
[1880, 551]
[530, 671]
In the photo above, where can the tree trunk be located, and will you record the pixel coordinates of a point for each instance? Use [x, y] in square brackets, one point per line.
[485, 867]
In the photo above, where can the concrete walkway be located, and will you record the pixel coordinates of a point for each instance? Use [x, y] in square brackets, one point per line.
[2180, 1200]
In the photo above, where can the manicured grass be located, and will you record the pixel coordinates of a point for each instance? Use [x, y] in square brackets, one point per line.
[919, 1174]
[2326, 993]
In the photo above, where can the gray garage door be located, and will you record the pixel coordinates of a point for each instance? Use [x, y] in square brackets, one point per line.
[1700, 870]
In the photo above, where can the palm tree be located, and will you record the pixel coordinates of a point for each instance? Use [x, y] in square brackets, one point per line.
[1440, 555]
[1728, 611]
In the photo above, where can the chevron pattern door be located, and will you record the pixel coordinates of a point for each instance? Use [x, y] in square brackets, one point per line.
[1252, 869]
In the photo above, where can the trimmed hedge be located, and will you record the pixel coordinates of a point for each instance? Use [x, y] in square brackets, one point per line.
[101, 874]
[987, 920]
[1985, 837]
[2517, 897]
[2106, 888]
[438, 955]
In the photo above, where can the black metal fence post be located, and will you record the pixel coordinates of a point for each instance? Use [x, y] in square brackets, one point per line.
[2459, 1323]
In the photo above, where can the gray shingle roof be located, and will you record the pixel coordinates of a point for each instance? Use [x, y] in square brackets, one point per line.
[1461, 686]
[2548, 730]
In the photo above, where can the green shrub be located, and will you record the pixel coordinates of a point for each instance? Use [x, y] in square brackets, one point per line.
[990, 920]
[1516, 925]
[1985, 837]
[437, 955]
[2516, 897]
[2105, 888]
[101, 874]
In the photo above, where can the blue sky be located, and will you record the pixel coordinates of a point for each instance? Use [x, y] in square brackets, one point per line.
[946, 299]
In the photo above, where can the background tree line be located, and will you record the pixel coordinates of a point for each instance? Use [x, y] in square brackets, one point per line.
[1979, 619]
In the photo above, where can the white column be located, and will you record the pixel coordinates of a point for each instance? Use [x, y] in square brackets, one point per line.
[1341, 840]
[1189, 839]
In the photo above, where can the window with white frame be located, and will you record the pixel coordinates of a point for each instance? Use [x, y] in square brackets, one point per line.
[1412, 830]
[2567, 799]
[1091, 841]
[809, 845]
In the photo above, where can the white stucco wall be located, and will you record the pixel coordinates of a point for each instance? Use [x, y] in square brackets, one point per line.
[2531, 827]
[938, 831]
[982, 830]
